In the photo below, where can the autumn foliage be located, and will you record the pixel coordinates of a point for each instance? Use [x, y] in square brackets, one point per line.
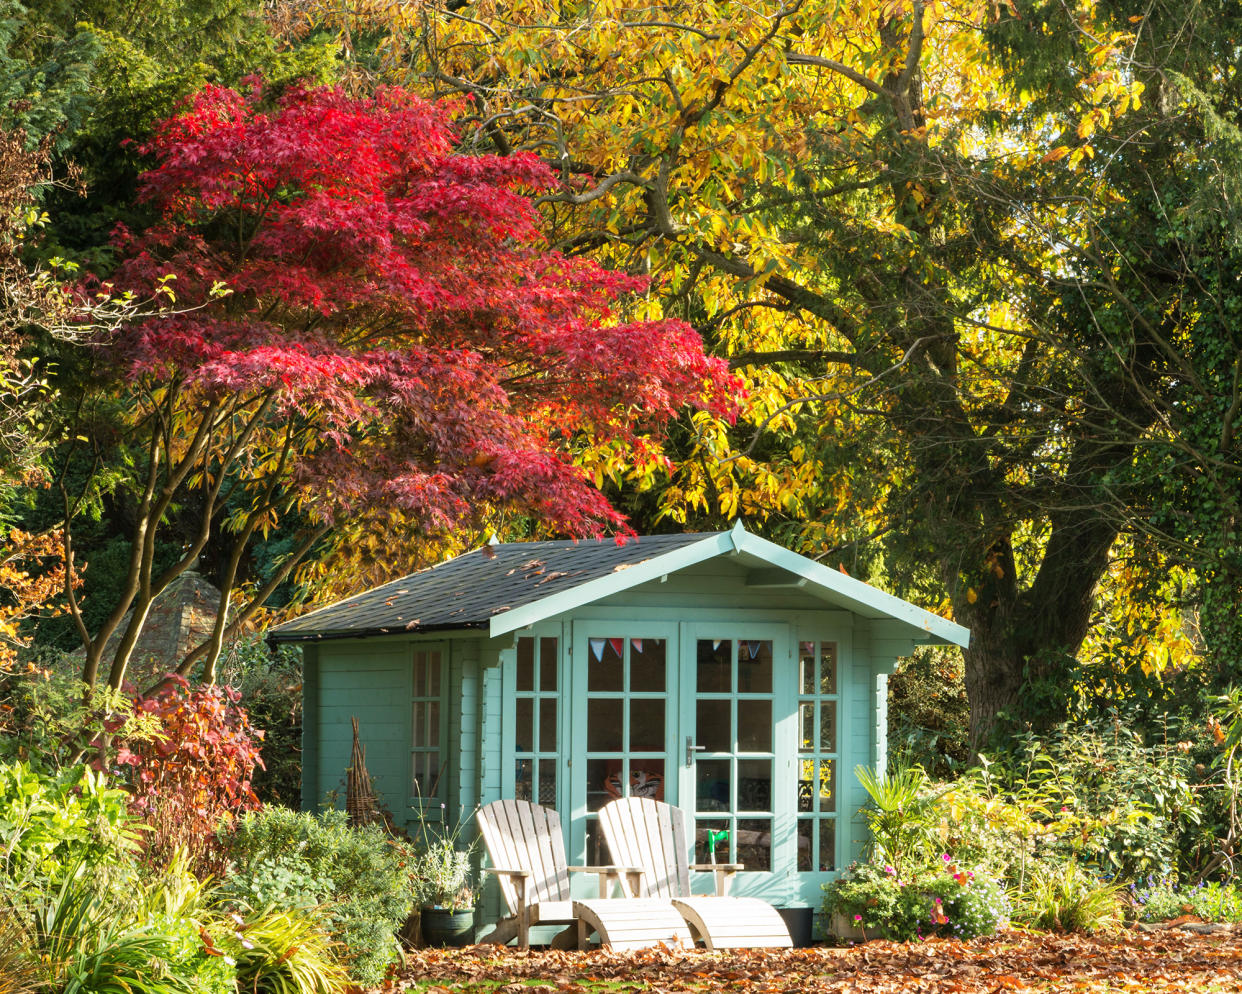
[389, 307]
[194, 772]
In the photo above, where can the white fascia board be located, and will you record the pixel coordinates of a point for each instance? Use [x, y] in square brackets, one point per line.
[860, 597]
[605, 586]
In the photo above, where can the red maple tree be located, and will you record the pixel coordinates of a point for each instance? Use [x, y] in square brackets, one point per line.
[393, 334]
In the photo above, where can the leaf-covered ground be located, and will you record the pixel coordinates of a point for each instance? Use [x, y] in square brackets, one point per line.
[1168, 961]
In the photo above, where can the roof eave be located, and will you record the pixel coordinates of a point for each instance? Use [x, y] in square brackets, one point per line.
[861, 597]
[605, 586]
[275, 636]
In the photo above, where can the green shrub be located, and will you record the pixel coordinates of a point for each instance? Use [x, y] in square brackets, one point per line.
[50, 821]
[1113, 801]
[948, 902]
[1213, 902]
[282, 858]
[1067, 898]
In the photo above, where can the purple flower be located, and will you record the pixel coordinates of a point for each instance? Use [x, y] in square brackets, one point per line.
[946, 857]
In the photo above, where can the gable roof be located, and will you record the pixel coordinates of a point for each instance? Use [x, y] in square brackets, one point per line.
[502, 588]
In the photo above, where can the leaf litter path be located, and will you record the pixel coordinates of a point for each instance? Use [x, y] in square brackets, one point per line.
[1170, 962]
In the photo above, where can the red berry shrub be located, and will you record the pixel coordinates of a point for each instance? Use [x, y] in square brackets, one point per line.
[194, 772]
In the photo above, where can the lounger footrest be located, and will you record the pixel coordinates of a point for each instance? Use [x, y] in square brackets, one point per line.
[734, 922]
[631, 923]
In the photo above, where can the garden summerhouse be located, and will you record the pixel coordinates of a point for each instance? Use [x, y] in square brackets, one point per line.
[717, 671]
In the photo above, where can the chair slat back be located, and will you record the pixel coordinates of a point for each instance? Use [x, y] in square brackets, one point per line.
[650, 835]
[520, 835]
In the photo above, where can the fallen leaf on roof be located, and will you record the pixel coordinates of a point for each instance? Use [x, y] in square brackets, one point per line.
[411, 624]
[551, 576]
[488, 552]
[620, 566]
[497, 610]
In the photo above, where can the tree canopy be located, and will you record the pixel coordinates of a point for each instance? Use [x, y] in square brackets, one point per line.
[360, 319]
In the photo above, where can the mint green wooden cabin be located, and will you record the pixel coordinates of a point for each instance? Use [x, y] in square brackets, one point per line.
[718, 671]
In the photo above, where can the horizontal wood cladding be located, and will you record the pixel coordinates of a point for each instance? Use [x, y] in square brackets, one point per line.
[371, 682]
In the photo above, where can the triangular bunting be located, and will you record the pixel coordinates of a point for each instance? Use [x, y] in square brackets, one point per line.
[636, 645]
[597, 648]
[618, 646]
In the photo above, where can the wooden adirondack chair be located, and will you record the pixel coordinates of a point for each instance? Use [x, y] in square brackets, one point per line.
[527, 850]
[651, 835]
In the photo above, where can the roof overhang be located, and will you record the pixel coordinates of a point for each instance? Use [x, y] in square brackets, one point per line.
[769, 565]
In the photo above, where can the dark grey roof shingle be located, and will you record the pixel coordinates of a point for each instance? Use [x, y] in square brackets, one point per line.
[465, 592]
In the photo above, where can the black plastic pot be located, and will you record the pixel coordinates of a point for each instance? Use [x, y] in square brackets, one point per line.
[442, 927]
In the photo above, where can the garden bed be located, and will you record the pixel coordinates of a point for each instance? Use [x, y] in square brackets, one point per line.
[1171, 961]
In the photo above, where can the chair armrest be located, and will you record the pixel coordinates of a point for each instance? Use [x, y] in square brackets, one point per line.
[603, 869]
[720, 867]
[628, 878]
[511, 873]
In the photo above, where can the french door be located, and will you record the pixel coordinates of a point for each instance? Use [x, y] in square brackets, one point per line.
[693, 714]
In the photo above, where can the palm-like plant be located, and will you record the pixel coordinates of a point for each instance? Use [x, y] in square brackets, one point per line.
[902, 816]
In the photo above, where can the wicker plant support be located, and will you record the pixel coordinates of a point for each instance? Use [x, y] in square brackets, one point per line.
[361, 804]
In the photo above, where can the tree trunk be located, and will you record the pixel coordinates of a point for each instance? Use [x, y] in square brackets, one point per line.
[1023, 641]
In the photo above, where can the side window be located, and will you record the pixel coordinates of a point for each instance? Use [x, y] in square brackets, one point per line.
[818, 728]
[425, 741]
[535, 743]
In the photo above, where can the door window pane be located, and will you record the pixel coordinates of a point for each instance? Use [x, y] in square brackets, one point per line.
[606, 670]
[827, 844]
[604, 724]
[547, 782]
[600, 786]
[827, 785]
[523, 779]
[526, 664]
[525, 741]
[754, 843]
[828, 726]
[754, 720]
[646, 725]
[548, 657]
[754, 785]
[713, 787]
[647, 666]
[828, 669]
[806, 668]
[715, 670]
[712, 836]
[806, 727]
[754, 666]
[547, 724]
[714, 725]
[647, 777]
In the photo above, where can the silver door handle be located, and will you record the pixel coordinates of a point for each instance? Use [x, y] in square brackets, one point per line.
[691, 749]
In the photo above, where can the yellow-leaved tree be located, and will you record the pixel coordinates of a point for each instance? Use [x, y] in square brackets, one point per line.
[912, 225]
